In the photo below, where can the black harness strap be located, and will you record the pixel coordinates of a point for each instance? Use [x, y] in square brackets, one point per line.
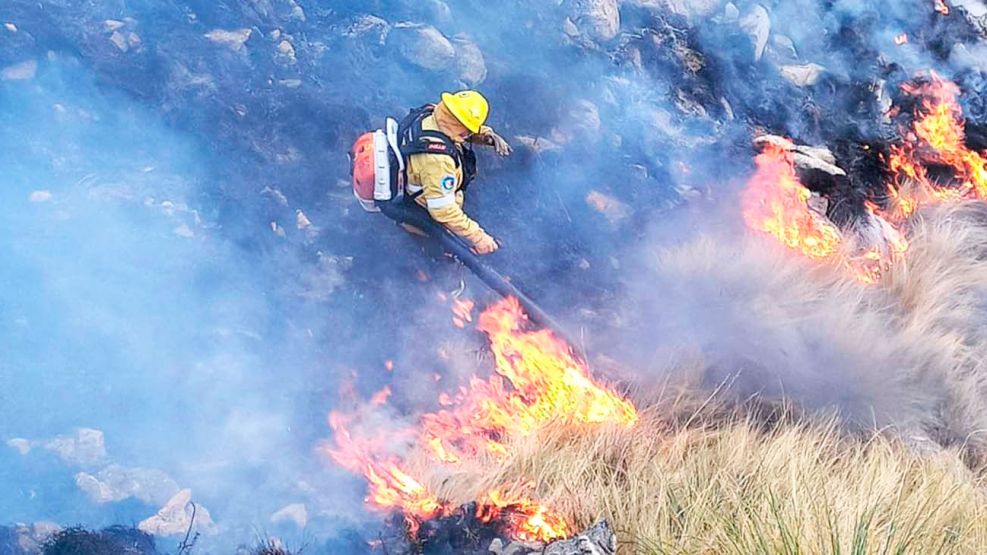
[415, 140]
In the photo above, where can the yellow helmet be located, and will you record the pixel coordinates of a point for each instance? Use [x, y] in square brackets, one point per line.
[469, 107]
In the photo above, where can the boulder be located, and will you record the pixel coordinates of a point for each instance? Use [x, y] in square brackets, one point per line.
[599, 19]
[423, 46]
[691, 9]
[177, 516]
[295, 514]
[23, 71]
[803, 75]
[117, 483]
[597, 540]
[470, 65]
[234, 40]
[757, 24]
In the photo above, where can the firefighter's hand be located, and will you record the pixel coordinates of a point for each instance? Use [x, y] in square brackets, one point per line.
[499, 144]
[485, 245]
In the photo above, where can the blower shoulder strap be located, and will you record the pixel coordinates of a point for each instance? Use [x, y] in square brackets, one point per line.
[415, 140]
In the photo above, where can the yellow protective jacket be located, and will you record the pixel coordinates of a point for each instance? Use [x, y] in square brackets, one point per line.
[440, 183]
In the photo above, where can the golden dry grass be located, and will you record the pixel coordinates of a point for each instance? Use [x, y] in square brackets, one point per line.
[902, 364]
[735, 487]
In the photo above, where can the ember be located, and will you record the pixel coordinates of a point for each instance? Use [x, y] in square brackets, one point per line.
[538, 380]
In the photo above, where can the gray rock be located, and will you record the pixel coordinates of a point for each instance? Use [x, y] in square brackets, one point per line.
[470, 65]
[285, 48]
[295, 11]
[368, 25]
[871, 232]
[600, 19]
[120, 41]
[975, 12]
[233, 40]
[597, 540]
[692, 9]
[116, 483]
[30, 538]
[804, 75]
[883, 99]
[295, 514]
[782, 50]
[730, 13]
[581, 120]
[648, 4]
[973, 8]
[569, 28]
[757, 25]
[423, 46]
[806, 158]
[23, 71]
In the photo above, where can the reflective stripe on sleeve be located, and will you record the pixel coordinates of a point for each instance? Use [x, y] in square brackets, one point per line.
[441, 201]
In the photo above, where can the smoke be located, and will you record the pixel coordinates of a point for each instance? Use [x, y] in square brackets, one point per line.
[760, 322]
[186, 271]
[127, 313]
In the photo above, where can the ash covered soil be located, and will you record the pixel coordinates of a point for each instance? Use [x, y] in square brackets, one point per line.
[190, 287]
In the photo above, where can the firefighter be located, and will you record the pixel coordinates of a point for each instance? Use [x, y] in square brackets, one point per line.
[437, 141]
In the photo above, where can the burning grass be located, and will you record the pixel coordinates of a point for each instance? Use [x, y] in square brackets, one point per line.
[715, 484]
[903, 357]
[537, 380]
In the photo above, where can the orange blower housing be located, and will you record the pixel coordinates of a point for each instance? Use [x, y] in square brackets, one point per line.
[377, 167]
[362, 155]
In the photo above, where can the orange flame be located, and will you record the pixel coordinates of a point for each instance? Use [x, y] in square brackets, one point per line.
[381, 397]
[462, 312]
[937, 136]
[538, 380]
[536, 523]
[774, 202]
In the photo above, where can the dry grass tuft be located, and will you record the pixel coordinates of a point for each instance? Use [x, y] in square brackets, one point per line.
[898, 468]
[741, 487]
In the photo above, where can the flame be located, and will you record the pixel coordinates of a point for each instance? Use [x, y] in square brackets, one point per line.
[537, 381]
[941, 6]
[389, 485]
[537, 523]
[381, 397]
[774, 202]
[462, 312]
[937, 135]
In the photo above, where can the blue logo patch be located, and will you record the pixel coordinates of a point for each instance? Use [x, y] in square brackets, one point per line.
[448, 183]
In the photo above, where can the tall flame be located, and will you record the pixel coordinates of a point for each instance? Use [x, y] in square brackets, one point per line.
[537, 380]
[775, 202]
[938, 135]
